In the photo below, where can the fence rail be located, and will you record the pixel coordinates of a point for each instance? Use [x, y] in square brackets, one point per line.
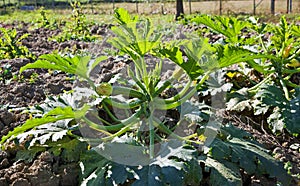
[165, 6]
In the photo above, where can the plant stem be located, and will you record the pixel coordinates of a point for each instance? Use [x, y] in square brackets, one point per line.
[128, 92]
[263, 44]
[176, 97]
[109, 113]
[120, 132]
[295, 54]
[151, 136]
[291, 71]
[157, 123]
[285, 90]
[157, 103]
[204, 78]
[90, 82]
[137, 81]
[161, 89]
[176, 103]
[129, 121]
[129, 105]
[175, 76]
[96, 127]
[254, 88]
[292, 84]
[101, 119]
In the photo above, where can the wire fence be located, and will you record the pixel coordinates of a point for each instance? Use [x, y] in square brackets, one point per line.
[163, 6]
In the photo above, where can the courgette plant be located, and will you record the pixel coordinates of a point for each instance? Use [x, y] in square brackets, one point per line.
[77, 28]
[45, 22]
[11, 44]
[278, 46]
[138, 97]
[136, 40]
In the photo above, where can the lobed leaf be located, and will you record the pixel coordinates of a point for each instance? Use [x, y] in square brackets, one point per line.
[52, 116]
[78, 65]
[222, 172]
[246, 154]
[228, 26]
[286, 113]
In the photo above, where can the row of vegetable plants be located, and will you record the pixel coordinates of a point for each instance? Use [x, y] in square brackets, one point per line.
[131, 143]
[276, 92]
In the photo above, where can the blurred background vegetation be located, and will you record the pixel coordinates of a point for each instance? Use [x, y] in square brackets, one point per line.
[160, 6]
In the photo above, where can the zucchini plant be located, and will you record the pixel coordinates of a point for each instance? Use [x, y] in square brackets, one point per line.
[129, 143]
[78, 29]
[5, 73]
[45, 22]
[11, 46]
[278, 46]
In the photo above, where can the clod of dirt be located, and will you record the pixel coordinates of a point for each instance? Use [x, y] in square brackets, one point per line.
[28, 73]
[3, 182]
[45, 170]
[56, 88]
[1, 126]
[16, 64]
[69, 174]
[6, 117]
[4, 163]
[3, 155]
[41, 173]
[21, 182]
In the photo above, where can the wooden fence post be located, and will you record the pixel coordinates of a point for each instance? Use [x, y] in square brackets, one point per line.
[179, 9]
[254, 7]
[190, 6]
[273, 7]
[289, 6]
[220, 10]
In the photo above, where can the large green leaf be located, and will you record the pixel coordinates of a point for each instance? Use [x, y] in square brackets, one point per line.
[286, 113]
[239, 100]
[193, 173]
[123, 17]
[229, 55]
[194, 112]
[149, 175]
[98, 170]
[222, 172]
[135, 37]
[28, 155]
[68, 149]
[228, 26]
[247, 154]
[119, 173]
[199, 53]
[93, 169]
[173, 154]
[155, 175]
[216, 83]
[123, 152]
[78, 65]
[52, 116]
[43, 133]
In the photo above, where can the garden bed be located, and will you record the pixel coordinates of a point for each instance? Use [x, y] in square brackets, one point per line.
[21, 93]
